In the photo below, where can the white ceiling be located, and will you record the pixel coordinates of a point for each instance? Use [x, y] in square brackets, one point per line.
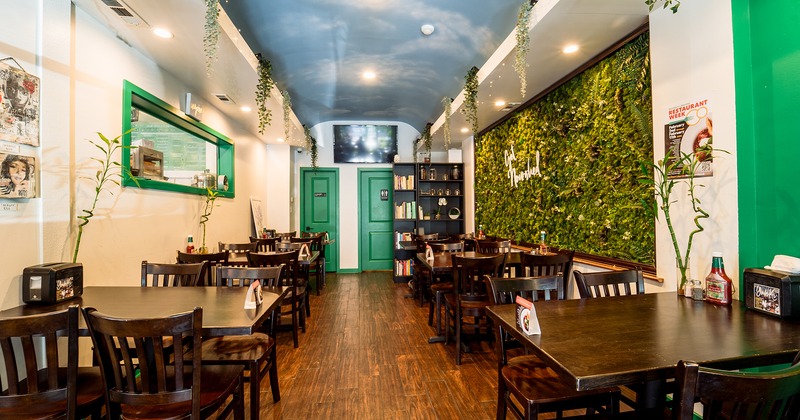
[592, 24]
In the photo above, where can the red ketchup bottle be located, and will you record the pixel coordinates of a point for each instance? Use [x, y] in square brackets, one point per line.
[190, 245]
[719, 287]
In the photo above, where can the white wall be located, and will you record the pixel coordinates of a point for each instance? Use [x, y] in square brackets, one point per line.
[348, 182]
[692, 59]
[82, 66]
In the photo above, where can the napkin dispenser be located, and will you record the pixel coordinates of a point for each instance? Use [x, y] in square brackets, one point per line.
[52, 282]
[772, 292]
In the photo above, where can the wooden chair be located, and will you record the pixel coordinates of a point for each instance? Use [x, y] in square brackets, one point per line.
[609, 283]
[256, 352]
[736, 395]
[264, 244]
[213, 260]
[171, 275]
[527, 378]
[440, 286]
[142, 384]
[317, 267]
[297, 298]
[494, 247]
[470, 297]
[548, 265]
[237, 252]
[287, 235]
[26, 342]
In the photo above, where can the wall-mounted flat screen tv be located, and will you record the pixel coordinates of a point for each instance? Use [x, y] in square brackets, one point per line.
[364, 143]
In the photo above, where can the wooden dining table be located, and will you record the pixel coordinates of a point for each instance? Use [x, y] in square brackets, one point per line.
[625, 340]
[223, 307]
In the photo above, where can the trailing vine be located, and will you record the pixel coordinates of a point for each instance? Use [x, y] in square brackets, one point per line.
[263, 91]
[427, 139]
[212, 31]
[446, 126]
[672, 4]
[523, 37]
[287, 109]
[471, 98]
[414, 148]
[311, 147]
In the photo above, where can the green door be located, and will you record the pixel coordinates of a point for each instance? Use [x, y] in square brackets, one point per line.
[375, 219]
[319, 208]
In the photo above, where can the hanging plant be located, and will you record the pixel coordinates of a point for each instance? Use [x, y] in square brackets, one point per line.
[446, 126]
[414, 148]
[672, 4]
[427, 139]
[287, 109]
[263, 91]
[471, 98]
[523, 37]
[212, 31]
[311, 147]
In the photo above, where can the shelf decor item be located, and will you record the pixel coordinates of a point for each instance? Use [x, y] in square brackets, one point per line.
[454, 213]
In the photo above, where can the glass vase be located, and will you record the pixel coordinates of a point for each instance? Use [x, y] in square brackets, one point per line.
[684, 277]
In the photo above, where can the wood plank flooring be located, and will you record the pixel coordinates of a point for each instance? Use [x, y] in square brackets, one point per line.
[365, 355]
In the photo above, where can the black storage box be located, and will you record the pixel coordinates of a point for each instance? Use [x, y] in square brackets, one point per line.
[52, 282]
[772, 292]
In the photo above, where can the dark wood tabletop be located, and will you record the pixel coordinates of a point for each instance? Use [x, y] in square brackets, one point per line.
[223, 307]
[595, 343]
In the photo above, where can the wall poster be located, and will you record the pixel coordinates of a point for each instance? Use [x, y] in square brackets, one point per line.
[689, 132]
[258, 215]
[19, 106]
[17, 176]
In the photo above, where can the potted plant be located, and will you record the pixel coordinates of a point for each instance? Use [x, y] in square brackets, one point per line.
[658, 176]
[442, 202]
[208, 208]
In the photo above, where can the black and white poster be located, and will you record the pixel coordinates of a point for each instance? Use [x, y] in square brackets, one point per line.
[17, 176]
[19, 106]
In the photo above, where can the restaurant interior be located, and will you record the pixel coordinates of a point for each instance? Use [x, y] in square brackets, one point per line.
[558, 155]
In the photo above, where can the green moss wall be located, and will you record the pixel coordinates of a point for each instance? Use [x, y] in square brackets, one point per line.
[590, 133]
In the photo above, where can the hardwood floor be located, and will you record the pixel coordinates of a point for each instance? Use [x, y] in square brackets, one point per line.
[365, 355]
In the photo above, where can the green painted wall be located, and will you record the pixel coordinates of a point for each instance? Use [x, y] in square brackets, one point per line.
[767, 64]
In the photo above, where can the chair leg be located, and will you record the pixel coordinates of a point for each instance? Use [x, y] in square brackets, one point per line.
[238, 409]
[446, 324]
[458, 325]
[255, 391]
[302, 311]
[273, 375]
[308, 306]
[430, 310]
[501, 396]
[295, 308]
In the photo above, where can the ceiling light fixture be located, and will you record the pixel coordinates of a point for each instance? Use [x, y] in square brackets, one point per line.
[162, 33]
[465, 130]
[500, 103]
[246, 109]
[280, 140]
[569, 49]
[427, 29]
[369, 75]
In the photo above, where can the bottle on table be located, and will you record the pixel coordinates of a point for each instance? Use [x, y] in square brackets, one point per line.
[264, 234]
[719, 287]
[543, 243]
[190, 245]
[481, 235]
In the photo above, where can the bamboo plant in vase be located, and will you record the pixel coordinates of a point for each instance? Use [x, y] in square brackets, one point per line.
[664, 176]
[208, 208]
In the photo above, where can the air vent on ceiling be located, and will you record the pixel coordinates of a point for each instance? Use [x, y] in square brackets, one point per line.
[125, 13]
[509, 106]
[224, 98]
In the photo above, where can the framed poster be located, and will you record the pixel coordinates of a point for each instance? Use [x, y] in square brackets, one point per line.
[259, 222]
[19, 106]
[690, 133]
[17, 176]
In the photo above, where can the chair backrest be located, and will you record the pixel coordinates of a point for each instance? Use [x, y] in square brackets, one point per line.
[737, 395]
[427, 237]
[171, 275]
[264, 244]
[244, 276]
[468, 273]
[289, 260]
[24, 342]
[494, 247]
[548, 265]
[609, 283]
[212, 260]
[305, 234]
[131, 357]
[287, 235]
[238, 251]
[446, 246]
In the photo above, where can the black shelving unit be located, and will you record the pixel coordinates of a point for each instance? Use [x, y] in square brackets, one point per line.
[419, 188]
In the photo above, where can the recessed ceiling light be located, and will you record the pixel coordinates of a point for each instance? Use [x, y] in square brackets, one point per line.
[246, 109]
[500, 103]
[465, 130]
[569, 49]
[280, 139]
[427, 29]
[369, 75]
[162, 33]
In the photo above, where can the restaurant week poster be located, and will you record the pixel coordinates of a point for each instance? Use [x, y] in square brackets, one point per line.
[688, 131]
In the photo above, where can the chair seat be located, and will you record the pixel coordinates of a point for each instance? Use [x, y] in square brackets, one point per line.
[529, 378]
[452, 300]
[90, 397]
[236, 349]
[218, 383]
[442, 287]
